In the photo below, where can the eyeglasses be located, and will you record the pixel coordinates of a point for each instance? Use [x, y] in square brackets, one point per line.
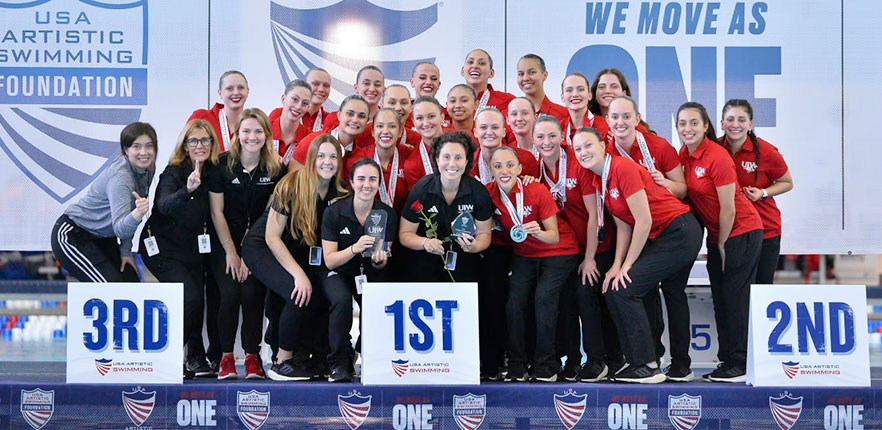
[205, 141]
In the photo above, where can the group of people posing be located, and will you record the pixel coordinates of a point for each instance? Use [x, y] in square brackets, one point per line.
[572, 219]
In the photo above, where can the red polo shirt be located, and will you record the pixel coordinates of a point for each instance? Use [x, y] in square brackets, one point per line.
[599, 124]
[706, 169]
[303, 148]
[276, 125]
[761, 173]
[538, 206]
[401, 187]
[627, 178]
[664, 156]
[498, 99]
[211, 115]
[529, 166]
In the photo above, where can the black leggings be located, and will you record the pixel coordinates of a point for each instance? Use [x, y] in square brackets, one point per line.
[292, 328]
[87, 257]
[248, 295]
[768, 260]
[492, 295]
[598, 335]
[191, 274]
[340, 289]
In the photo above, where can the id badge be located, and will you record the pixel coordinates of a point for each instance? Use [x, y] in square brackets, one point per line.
[315, 255]
[450, 260]
[152, 247]
[204, 243]
[360, 280]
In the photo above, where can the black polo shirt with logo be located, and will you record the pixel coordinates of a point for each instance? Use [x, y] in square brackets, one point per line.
[340, 225]
[471, 197]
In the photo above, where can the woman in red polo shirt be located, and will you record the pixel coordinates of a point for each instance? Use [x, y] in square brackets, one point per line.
[762, 174]
[734, 235]
[657, 242]
[287, 127]
[461, 105]
[427, 119]
[521, 117]
[477, 72]
[609, 84]
[531, 80]
[571, 188]
[545, 254]
[387, 131]
[232, 88]
[354, 117]
[576, 95]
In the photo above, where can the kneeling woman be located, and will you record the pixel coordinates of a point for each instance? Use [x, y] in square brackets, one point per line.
[657, 242]
[439, 199]
[545, 254]
[346, 237]
[283, 251]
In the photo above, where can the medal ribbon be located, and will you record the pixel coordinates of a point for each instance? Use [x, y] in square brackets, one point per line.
[644, 150]
[387, 196]
[483, 103]
[559, 189]
[424, 156]
[225, 129]
[601, 199]
[516, 215]
[589, 116]
[484, 171]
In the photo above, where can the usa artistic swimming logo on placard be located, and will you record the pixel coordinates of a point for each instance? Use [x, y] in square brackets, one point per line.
[103, 365]
[253, 408]
[469, 410]
[785, 409]
[399, 367]
[354, 408]
[37, 407]
[791, 368]
[72, 74]
[570, 407]
[139, 404]
[684, 411]
[345, 36]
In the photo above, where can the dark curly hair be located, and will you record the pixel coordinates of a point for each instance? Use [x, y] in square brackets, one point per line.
[459, 137]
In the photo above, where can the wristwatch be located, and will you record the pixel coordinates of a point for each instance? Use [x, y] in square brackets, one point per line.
[765, 195]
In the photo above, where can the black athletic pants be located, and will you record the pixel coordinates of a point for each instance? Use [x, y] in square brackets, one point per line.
[87, 257]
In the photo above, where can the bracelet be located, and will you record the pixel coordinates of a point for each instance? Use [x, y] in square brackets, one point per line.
[424, 243]
[352, 249]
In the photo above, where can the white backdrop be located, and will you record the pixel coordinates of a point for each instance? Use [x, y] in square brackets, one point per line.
[793, 64]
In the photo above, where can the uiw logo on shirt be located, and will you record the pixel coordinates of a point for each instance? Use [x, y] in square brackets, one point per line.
[748, 166]
[528, 210]
[572, 182]
[699, 172]
[614, 193]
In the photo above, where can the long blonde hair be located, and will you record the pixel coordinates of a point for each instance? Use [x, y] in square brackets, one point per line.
[296, 192]
[180, 156]
[270, 160]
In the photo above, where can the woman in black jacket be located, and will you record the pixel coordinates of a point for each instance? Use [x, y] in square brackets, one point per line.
[174, 241]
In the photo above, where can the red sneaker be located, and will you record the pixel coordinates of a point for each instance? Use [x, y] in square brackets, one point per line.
[227, 368]
[253, 367]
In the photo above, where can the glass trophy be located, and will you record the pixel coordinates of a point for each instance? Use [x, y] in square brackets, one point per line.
[375, 226]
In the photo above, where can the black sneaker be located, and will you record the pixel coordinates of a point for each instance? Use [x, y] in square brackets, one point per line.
[593, 371]
[342, 373]
[544, 374]
[616, 366]
[732, 374]
[318, 366]
[679, 373]
[289, 370]
[215, 365]
[188, 374]
[517, 372]
[200, 367]
[570, 372]
[719, 371]
[642, 374]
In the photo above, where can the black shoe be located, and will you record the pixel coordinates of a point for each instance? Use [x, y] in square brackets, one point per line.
[289, 370]
[517, 372]
[732, 374]
[545, 374]
[593, 371]
[319, 367]
[616, 366]
[215, 365]
[642, 374]
[679, 373]
[342, 373]
[200, 367]
[497, 376]
[719, 371]
[570, 372]
[188, 374]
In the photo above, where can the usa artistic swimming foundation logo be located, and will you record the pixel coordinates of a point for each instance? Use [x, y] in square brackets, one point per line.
[139, 405]
[354, 408]
[570, 407]
[791, 368]
[684, 411]
[37, 407]
[785, 409]
[469, 410]
[345, 36]
[400, 367]
[253, 408]
[103, 365]
[72, 74]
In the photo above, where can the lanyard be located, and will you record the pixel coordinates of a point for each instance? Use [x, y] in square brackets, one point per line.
[559, 189]
[601, 199]
[648, 162]
[225, 128]
[388, 195]
[424, 155]
[516, 215]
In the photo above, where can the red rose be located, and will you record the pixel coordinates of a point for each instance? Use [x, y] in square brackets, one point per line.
[416, 206]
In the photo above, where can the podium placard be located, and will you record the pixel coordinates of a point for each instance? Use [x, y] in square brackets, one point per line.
[808, 335]
[125, 333]
[420, 333]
